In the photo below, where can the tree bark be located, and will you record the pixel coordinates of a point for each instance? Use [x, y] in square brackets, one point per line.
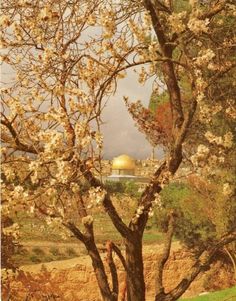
[164, 257]
[100, 273]
[135, 276]
[201, 264]
[98, 266]
[113, 269]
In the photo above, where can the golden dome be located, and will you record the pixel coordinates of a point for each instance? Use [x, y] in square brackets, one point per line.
[123, 162]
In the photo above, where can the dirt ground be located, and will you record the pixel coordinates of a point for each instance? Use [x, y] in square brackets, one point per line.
[74, 279]
[82, 259]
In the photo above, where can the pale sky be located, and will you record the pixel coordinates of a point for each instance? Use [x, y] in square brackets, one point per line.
[120, 134]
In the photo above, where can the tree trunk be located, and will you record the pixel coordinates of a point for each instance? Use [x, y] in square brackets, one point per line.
[135, 277]
[101, 276]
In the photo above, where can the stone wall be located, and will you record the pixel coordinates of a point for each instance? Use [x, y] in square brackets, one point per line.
[79, 283]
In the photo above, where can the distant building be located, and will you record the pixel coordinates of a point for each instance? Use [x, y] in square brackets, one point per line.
[123, 169]
[123, 165]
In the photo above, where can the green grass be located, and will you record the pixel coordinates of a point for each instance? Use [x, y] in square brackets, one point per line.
[35, 228]
[224, 295]
[39, 255]
[152, 237]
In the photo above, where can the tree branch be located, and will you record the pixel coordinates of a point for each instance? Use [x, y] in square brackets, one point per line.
[107, 203]
[164, 257]
[215, 10]
[18, 144]
[200, 265]
[167, 67]
[78, 234]
[119, 254]
[112, 266]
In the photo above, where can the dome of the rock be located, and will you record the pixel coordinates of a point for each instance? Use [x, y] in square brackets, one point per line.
[123, 165]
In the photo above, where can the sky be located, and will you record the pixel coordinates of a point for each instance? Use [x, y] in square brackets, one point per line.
[121, 136]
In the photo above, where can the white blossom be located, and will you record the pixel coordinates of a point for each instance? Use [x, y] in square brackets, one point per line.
[176, 21]
[228, 140]
[4, 21]
[87, 220]
[97, 195]
[198, 26]
[227, 189]
[204, 57]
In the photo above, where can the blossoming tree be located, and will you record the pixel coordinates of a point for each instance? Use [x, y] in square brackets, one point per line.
[65, 58]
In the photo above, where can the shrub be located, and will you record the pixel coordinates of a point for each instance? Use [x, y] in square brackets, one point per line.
[35, 259]
[192, 225]
[129, 187]
[55, 251]
[9, 244]
[48, 258]
[38, 251]
[71, 252]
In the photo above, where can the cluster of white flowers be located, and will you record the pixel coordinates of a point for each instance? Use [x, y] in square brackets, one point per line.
[201, 154]
[53, 141]
[96, 196]
[138, 213]
[80, 129]
[9, 172]
[17, 30]
[150, 212]
[121, 44]
[213, 66]
[214, 161]
[48, 220]
[54, 114]
[99, 139]
[91, 20]
[24, 3]
[51, 191]
[193, 2]
[49, 54]
[16, 106]
[85, 141]
[200, 84]
[152, 51]
[139, 32]
[231, 8]
[198, 26]
[225, 141]
[64, 171]
[107, 20]
[87, 220]
[231, 109]
[4, 21]
[207, 112]
[157, 201]
[227, 189]
[12, 230]
[74, 187]
[18, 192]
[142, 76]
[165, 178]
[47, 14]
[82, 134]
[176, 21]
[204, 57]
[34, 166]
[147, 20]
[228, 140]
